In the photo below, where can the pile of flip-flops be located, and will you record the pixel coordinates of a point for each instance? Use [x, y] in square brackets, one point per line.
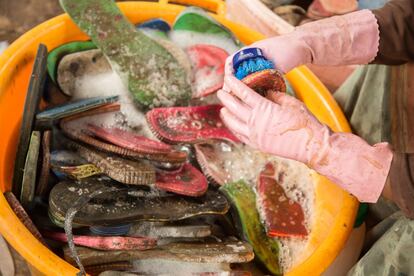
[139, 177]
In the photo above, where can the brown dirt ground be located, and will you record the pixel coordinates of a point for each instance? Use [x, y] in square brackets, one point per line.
[18, 16]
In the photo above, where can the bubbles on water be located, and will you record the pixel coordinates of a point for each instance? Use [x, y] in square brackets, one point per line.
[160, 266]
[243, 162]
[110, 84]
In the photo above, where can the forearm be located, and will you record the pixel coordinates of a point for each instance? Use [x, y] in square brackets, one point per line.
[339, 40]
[382, 36]
[342, 40]
[353, 164]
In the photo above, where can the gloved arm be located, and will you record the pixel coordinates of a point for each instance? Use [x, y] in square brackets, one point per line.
[286, 128]
[339, 40]
[382, 36]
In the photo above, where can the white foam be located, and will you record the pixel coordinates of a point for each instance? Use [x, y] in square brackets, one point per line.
[168, 267]
[108, 84]
[243, 162]
[3, 46]
[161, 230]
[204, 81]
[291, 252]
[298, 185]
[166, 93]
[207, 100]
[236, 248]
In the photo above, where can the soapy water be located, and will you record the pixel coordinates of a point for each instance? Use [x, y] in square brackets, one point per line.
[3, 46]
[162, 230]
[291, 252]
[240, 161]
[169, 267]
[206, 100]
[165, 95]
[244, 163]
[206, 82]
[110, 84]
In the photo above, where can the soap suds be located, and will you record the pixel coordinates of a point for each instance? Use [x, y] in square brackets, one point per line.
[240, 162]
[167, 267]
[109, 84]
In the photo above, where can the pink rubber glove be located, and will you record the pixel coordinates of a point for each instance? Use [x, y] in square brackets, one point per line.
[339, 40]
[286, 128]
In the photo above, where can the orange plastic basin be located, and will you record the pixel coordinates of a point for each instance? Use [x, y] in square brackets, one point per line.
[335, 209]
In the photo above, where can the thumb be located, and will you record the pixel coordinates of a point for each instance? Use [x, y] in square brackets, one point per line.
[284, 99]
[228, 71]
[228, 68]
